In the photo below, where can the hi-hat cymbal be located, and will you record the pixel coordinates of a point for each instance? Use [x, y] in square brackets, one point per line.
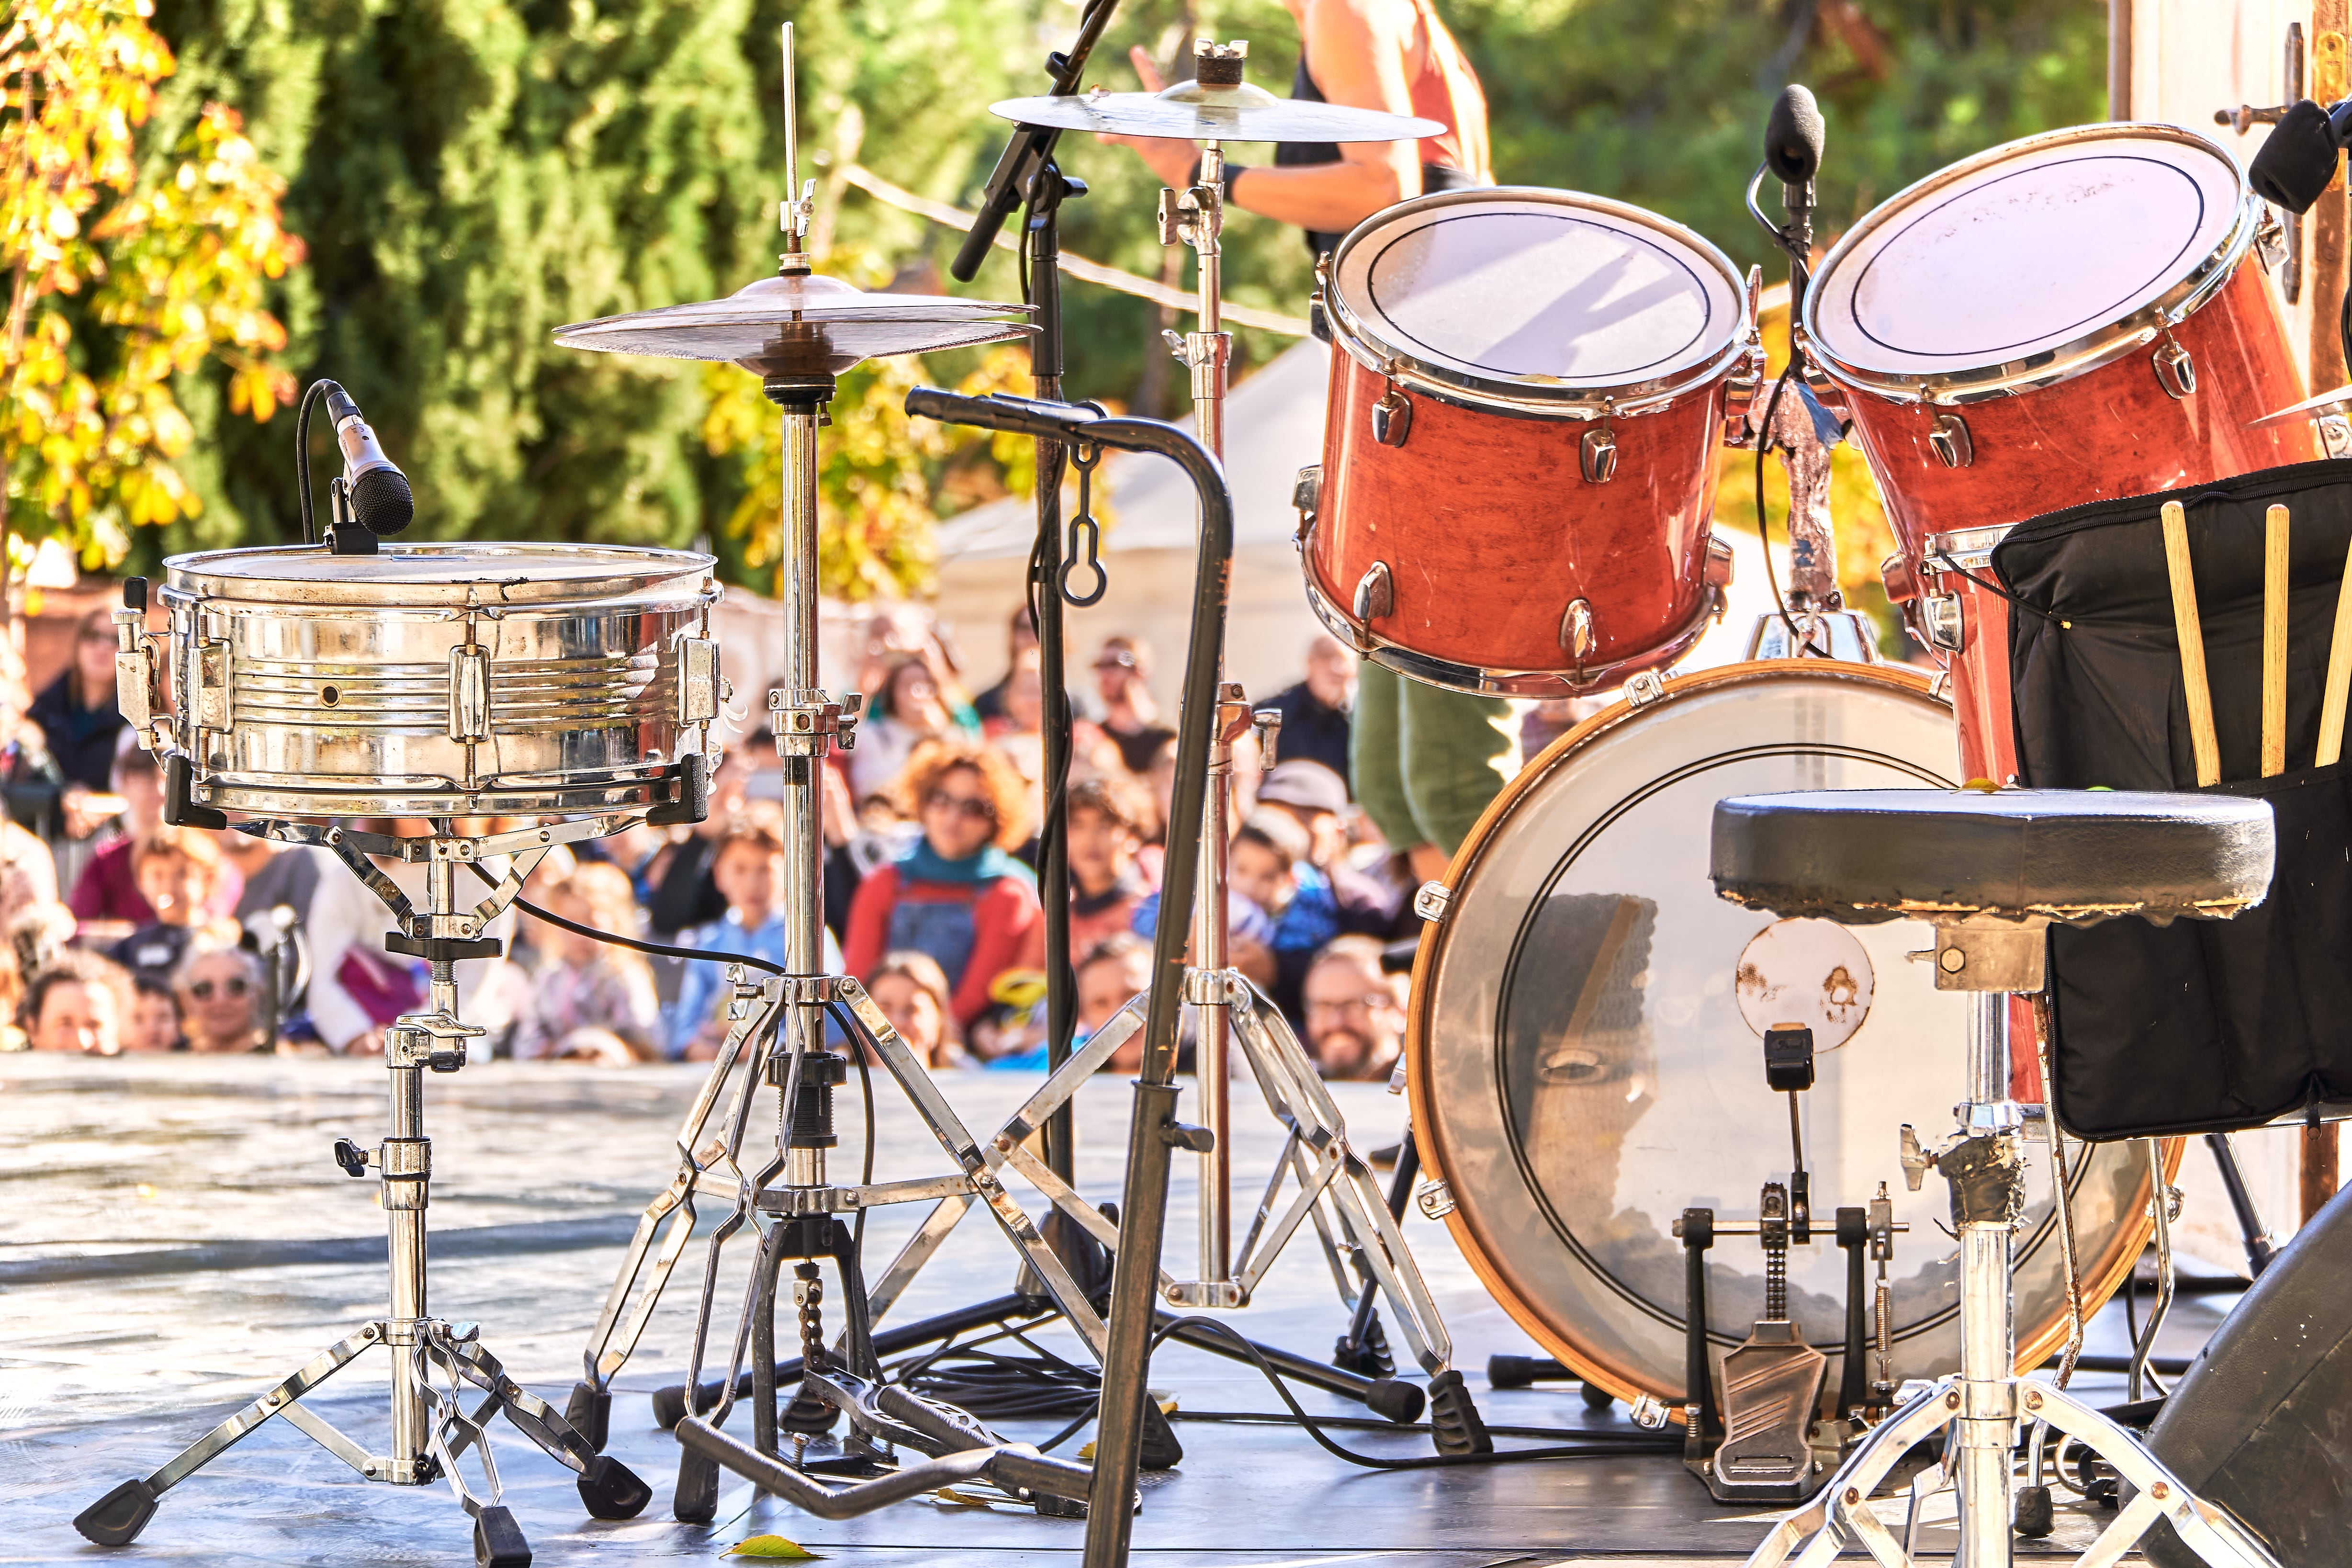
[801, 324]
[2339, 400]
[1191, 113]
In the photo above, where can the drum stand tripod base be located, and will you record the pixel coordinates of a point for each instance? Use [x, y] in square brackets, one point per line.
[434, 1364]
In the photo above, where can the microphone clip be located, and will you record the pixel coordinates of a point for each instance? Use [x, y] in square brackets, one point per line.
[346, 535]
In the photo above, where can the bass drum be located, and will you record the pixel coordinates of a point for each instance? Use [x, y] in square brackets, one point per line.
[1585, 1059]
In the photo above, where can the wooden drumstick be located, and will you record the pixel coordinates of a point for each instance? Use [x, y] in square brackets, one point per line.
[2192, 633]
[2275, 609]
[2339, 675]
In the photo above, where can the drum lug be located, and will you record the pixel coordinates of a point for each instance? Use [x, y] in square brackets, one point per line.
[2175, 370]
[1432, 901]
[1375, 594]
[1598, 455]
[469, 693]
[1901, 583]
[2270, 238]
[1307, 496]
[1717, 570]
[1435, 1198]
[1950, 438]
[1644, 688]
[1393, 418]
[1576, 634]
[697, 680]
[1941, 619]
[212, 703]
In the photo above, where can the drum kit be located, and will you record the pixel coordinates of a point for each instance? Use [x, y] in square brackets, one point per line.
[1528, 397]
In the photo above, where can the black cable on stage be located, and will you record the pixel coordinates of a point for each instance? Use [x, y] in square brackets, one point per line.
[659, 949]
[1605, 1446]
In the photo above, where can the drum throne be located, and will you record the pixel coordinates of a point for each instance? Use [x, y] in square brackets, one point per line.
[1992, 870]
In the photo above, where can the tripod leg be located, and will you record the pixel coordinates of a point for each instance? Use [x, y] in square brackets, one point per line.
[115, 1518]
[1814, 1535]
[607, 1487]
[2204, 1529]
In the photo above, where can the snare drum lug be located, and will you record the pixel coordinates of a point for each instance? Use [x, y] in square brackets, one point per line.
[1717, 570]
[1597, 455]
[469, 693]
[1307, 496]
[1950, 438]
[1375, 594]
[1433, 900]
[212, 696]
[2270, 238]
[697, 680]
[2175, 370]
[2334, 435]
[1644, 688]
[1393, 418]
[1576, 633]
[1901, 583]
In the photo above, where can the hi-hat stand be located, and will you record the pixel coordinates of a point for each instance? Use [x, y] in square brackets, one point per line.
[436, 1365]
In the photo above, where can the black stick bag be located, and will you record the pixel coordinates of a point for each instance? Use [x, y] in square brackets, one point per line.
[2197, 1026]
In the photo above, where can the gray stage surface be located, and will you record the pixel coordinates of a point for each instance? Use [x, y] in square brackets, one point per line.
[177, 1237]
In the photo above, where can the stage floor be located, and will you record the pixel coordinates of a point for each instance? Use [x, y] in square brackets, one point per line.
[179, 1238]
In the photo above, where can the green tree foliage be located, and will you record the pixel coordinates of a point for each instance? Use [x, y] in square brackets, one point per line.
[470, 174]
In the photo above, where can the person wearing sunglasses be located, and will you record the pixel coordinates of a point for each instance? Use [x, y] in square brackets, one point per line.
[220, 992]
[956, 894]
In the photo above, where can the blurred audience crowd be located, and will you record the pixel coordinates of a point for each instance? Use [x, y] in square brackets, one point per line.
[128, 935]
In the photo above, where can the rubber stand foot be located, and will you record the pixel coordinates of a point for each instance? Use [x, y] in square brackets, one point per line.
[669, 1406]
[613, 1490]
[498, 1539]
[115, 1518]
[1457, 1427]
[1057, 1507]
[1368, 1357]
[1597, 1397]
[2035, 1514]
[1159, 1450]
[589, 1412]
[1395, 1400]
[697, 1499]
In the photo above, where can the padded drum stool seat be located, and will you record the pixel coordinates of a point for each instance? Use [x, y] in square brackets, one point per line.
[1863, 856]
[1992, 870]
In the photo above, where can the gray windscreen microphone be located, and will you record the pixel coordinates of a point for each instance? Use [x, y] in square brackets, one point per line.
[382, 502]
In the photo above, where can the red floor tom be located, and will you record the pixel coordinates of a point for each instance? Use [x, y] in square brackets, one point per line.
[1518, 464]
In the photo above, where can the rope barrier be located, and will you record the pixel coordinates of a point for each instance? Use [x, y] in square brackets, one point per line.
[1078, 267]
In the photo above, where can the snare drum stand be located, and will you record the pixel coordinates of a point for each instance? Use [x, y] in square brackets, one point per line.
[1984, 1402]
[435, 1362]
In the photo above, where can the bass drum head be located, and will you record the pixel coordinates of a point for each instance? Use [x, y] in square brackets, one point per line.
[2024, 252]
[1536, 295]
[1585, 1059]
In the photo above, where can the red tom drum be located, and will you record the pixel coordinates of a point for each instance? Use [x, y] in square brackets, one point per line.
[1520, 458]
[2065, 319]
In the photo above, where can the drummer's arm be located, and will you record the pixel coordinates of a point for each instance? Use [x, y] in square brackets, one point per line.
[1360, 56]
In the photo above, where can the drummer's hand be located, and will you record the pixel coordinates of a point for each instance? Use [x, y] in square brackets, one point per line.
[1169, 159]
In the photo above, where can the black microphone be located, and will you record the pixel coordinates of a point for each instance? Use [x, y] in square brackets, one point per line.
[1792, 137]
[381, 500]
[2298, 158]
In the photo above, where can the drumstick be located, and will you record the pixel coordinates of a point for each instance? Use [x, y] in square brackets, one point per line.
[2275, 608]
[2192, 635]
[2339, 675]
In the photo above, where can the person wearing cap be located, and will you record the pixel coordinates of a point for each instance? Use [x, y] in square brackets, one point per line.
[1313, 796]
[1315, 711]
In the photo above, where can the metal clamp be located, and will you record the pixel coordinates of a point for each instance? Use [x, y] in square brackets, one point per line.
[1435, 1198]
[1432, 901]
[808, 723]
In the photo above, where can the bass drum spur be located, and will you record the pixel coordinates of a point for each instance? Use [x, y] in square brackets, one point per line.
[1584, 1058]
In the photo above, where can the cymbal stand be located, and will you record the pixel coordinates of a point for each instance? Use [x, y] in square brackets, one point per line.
[436, 1365]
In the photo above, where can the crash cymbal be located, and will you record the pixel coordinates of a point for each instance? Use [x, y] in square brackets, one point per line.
[800, 323]
[2339, 401]
[1191, 112]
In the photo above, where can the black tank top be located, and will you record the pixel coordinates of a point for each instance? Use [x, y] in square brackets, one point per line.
[1304, 154]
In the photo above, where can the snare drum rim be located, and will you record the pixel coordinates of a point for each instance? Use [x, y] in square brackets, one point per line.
[2079, 356]
[1527, 397]
[2100, 1276]
[639, 571]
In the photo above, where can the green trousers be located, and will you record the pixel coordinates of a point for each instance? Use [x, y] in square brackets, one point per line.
[1426, 761]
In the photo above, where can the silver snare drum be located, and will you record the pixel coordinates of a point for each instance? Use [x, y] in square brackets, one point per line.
[434, 679]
